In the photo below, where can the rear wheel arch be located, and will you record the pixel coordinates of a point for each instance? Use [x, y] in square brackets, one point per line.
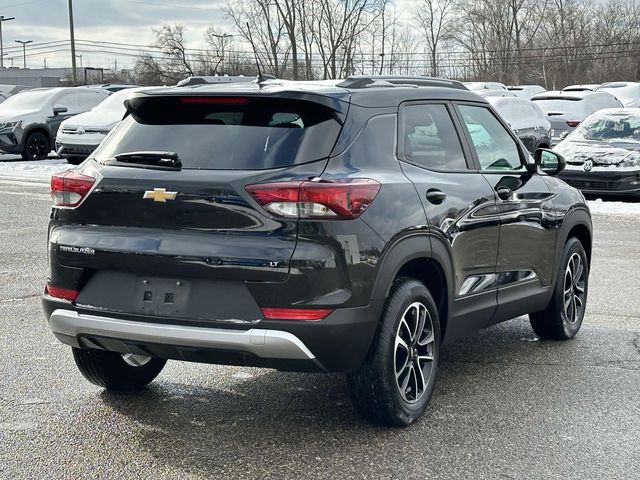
[576, 224]
[426, 259]
[582, 233]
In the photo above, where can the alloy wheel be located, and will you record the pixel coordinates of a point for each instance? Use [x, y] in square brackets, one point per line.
[413, 352]
[574, 289]
[38, 147]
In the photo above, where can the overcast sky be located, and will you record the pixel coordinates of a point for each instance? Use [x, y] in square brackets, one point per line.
[126, 21]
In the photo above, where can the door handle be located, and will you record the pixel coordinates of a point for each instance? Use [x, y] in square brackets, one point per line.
[503, 192]
[436, 196]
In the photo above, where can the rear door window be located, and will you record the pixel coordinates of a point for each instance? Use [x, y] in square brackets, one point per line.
[428, 138]
[230, 133]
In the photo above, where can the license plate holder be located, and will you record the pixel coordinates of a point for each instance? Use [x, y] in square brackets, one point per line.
[166, 297]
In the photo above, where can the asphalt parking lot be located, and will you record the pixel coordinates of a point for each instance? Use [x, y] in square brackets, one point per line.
[506, 406]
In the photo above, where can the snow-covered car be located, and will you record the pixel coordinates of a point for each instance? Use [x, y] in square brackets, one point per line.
[478, 86]
[583, 87]
[495, 93]
[603, 153]
[566, 109]
[627, 92]
[29, 120]
[79, 136]
[526, 119]
[526, 91]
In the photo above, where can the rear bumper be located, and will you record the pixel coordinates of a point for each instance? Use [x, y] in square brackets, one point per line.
[69, 326]
[339, 342]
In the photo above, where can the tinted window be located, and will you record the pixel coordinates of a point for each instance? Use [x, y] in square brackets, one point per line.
[429, 138]
[496, 149]
[228, 133]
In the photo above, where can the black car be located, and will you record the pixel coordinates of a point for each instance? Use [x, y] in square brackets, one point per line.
[349, 227]
[603, 154]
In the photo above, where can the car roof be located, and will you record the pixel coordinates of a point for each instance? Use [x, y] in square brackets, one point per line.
[368, 91]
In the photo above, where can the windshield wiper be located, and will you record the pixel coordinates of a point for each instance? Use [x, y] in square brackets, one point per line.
[161, 160]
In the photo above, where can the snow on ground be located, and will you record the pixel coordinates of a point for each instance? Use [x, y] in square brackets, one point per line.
[12, 167]
[599, 207]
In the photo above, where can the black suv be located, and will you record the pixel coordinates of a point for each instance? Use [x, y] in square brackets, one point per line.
[352, 226]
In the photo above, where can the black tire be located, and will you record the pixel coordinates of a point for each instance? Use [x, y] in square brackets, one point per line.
[562, 320]
[109, 369]
[36, 146]
[75, 160]
[374, 389]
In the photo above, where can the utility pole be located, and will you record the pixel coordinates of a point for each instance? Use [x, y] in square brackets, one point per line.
[3, 19]
[73, 44]
[24, 51]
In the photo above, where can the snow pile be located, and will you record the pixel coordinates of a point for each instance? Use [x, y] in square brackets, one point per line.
[34, 171]
[598, 207]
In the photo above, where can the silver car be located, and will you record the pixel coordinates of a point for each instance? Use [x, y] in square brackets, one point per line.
[566, 109]
[30, 119]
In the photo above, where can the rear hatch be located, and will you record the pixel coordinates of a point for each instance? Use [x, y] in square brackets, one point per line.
[169, 199]
[564, 113]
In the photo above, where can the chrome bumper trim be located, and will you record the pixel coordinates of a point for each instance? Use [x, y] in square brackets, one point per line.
[260, 342]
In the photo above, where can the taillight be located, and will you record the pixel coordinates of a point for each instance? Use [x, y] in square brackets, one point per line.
[295, 313]
[69, 188]
[573, 123]
[340, 199]
[63, 293]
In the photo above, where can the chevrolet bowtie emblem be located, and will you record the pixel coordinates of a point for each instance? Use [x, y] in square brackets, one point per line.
[159, 195]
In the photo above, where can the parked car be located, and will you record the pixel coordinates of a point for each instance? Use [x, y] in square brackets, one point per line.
[526, 91]
[587, 87]
[566, 109]
[627, 92]
[526, 119]
[305, 226]
[603, 153]
[476, 86]
[495, 93]
[30, 119]
[80, 135]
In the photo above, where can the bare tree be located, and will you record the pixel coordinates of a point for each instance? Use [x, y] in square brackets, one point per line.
[435, 19]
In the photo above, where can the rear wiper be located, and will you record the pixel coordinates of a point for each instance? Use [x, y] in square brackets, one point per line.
[162, 160]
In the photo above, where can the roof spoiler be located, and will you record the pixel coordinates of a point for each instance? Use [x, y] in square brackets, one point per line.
[363, 81]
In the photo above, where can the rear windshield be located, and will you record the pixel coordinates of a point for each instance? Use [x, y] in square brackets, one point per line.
[227, 133]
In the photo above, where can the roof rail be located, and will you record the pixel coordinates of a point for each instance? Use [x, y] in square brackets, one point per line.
[362, 81]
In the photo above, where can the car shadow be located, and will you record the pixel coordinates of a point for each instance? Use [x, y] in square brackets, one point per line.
[272, 420]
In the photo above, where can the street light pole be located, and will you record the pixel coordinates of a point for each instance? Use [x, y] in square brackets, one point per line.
[222, 37]
[73, 44]
[24, 51]
[3, 19]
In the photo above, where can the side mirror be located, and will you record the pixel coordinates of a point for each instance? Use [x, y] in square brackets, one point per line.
[57, 109]
[564, 135]
[550, 162]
